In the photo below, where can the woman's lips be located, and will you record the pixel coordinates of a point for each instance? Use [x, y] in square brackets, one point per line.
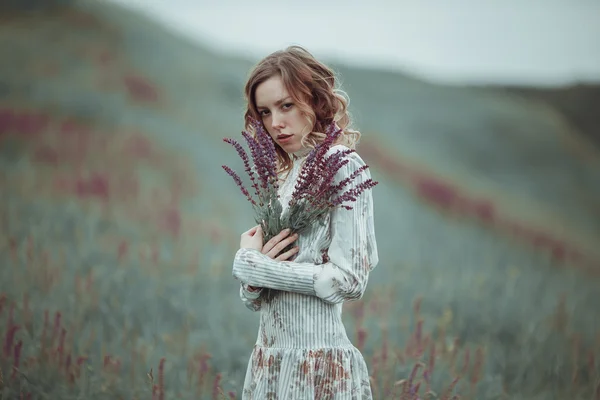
[284, 138]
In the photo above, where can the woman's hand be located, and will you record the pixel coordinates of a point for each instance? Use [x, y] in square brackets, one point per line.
[253, 239]
[278, 243]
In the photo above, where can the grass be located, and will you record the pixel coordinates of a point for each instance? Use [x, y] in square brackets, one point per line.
[81, 352]
[112, 289]
[82, 322]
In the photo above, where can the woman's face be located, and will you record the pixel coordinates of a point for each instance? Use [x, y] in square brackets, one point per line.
[280, 114]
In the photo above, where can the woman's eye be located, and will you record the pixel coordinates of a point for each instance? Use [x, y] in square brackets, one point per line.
[287, 106]
[264, 113]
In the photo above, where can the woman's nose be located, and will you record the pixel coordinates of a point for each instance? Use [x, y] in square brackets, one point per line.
[277, 121]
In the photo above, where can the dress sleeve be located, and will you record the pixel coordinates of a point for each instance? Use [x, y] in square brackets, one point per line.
[250, 298]
[352, 253]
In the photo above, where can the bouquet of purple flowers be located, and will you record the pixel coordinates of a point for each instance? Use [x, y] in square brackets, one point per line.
[315, 193]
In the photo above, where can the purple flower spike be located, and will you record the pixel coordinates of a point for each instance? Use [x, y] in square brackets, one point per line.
[314, 192]
[244, 156]
[269, 155]
[257, 157]
[238, 182]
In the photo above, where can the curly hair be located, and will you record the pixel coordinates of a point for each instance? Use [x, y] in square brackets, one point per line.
[313, 87]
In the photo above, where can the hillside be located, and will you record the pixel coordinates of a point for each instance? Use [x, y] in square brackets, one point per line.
[111, 144]
[578, 103]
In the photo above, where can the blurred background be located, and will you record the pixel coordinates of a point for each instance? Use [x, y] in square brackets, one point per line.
[480, 121]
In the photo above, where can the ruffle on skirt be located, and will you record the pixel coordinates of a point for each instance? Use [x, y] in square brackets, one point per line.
[304, 374]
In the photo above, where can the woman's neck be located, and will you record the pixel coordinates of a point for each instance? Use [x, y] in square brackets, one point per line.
[303, 152]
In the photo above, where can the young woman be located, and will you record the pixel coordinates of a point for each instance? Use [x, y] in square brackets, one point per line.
[302, 350]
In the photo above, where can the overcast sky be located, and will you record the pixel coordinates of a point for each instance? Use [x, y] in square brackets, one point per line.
[544, 42]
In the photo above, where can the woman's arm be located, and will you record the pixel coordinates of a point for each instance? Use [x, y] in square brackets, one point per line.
[250, 296]
[273, 249]
[352, 253]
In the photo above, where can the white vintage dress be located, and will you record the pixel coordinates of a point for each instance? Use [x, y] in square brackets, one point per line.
[302, 350]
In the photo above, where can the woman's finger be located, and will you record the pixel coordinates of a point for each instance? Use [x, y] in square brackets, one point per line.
[251, 231]
[274, 240]
[282, 245]
[285, 256]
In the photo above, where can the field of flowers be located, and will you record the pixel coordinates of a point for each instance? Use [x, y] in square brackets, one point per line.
[118, 228]
[87, 312]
